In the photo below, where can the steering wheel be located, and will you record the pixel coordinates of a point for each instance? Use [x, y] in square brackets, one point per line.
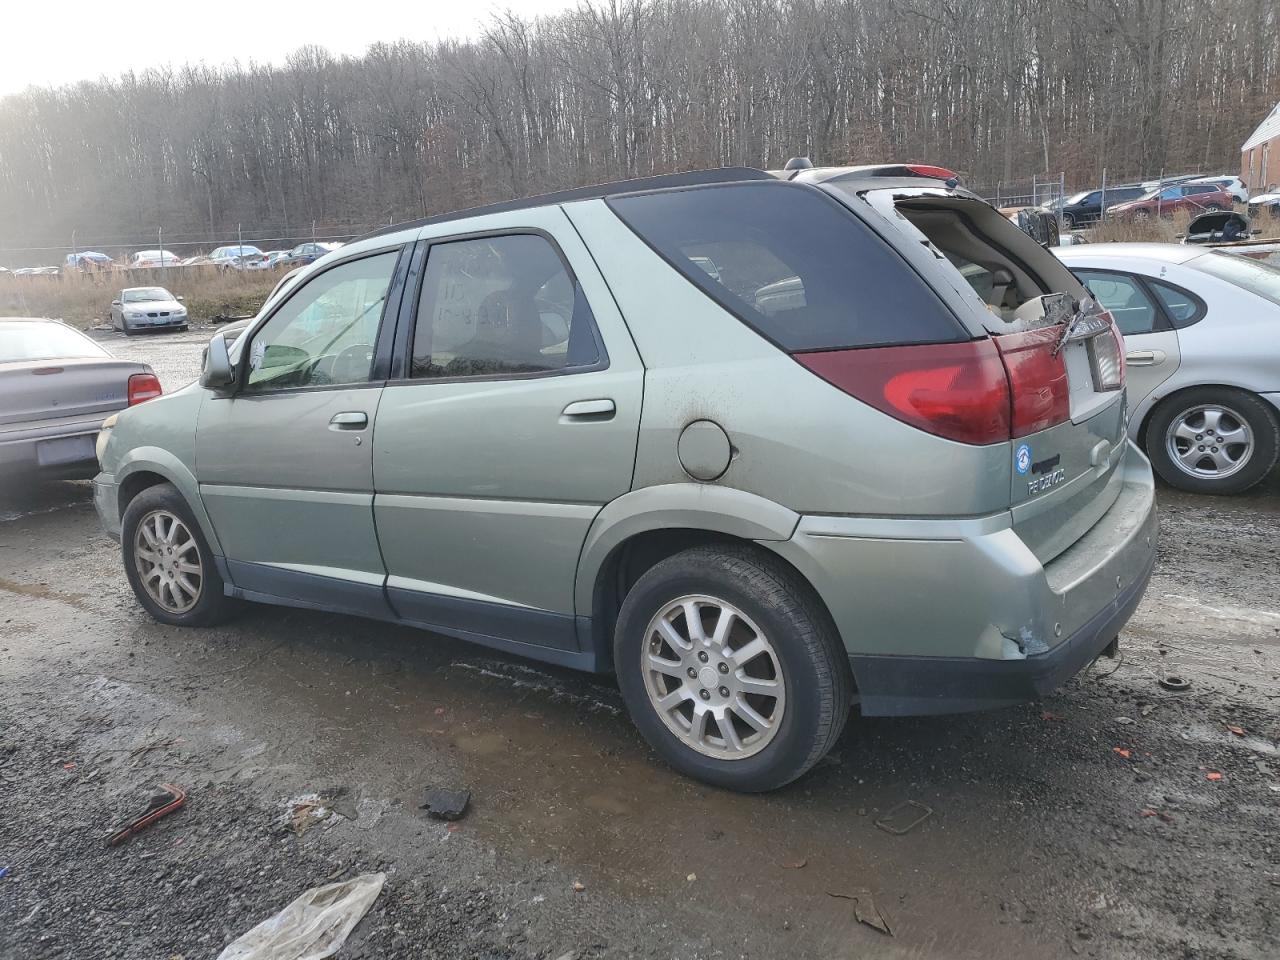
[352, 364]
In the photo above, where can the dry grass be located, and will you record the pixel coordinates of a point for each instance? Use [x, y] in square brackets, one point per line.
[1155, 230]
[84, 300]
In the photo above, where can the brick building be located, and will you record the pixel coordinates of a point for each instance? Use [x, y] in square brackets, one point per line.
[1260, 155]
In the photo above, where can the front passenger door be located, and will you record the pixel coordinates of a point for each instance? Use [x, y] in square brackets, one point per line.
[285, 462]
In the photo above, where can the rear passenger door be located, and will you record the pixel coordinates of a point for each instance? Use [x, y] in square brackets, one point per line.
[511, 419]
[1150, 342]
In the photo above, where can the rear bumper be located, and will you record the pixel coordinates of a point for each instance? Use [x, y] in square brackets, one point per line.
[20, 450]
[947, 616]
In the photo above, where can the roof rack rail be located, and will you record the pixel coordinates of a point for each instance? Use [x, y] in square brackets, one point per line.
[666, 181]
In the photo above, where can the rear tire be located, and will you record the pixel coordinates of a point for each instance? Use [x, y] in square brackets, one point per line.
[1068, 221]
[168, 561]
[1213, 440]
[774, 671]
[1212, 208]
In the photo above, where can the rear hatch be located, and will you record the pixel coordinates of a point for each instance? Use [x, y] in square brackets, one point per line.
[1061, 352]
[33, 392]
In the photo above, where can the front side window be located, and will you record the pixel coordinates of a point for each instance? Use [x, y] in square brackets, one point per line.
[1124, 297]
[325, 333]
[792, 264]
[501, 305]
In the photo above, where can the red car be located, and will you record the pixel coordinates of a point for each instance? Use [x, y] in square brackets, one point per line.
[1193, 197]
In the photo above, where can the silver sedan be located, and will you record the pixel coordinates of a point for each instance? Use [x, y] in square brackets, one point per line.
[147, 308]
[1203, 352]
[56, 388]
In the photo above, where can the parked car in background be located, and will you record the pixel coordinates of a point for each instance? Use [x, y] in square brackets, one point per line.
[1165, 202]
[305, 253]
[934, 503]
[1203, 354]
[1264, 205]
[56, 388]
[275, 256]
[89, 261]
[147, 259]
[1233, 185]
[37, 271]
[249, 262]
[233, 250]
[1086, 207]
[147, 308]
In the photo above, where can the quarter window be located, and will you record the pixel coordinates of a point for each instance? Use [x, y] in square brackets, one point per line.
[501, 305]
[325, 333]
[1182, 307]
[1124, 297]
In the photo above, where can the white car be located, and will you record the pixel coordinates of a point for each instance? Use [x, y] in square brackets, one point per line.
[1233, 185]
[1203, 355]
[146, 259]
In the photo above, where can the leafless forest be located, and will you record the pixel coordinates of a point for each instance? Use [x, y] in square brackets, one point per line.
[998, 89]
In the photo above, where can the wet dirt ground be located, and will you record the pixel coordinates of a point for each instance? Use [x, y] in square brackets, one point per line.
[1087, 824]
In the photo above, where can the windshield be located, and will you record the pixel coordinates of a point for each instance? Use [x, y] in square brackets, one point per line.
[1253, 275]
[27, 340]
[1077, 197]
[146, 295]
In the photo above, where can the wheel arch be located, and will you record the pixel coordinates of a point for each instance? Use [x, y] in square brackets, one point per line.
[146, 467]
[643, 528]
[1159, 403]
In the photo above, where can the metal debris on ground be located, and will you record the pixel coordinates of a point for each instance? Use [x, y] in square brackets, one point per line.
[904, 818]
[865, 910]
[306, 811]
[445, 804]
[1174, 682]
[1124, 721]
[166, 801]
[313, 926]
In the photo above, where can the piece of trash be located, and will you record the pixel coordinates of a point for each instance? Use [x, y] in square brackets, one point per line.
[1047, 715]
[439, 711]
[4, 872]
[865, 910]
[166, 801]
[1147, 709]
[445, 804]
[313, 926]
[1174, 682]
[1238, 731]
[797, 864]
[306, 811]
[1149, 812]
[578, 886]
[1122, 751]
[1213, 775]
[904, 818]
[692, 877]
[1124, 721]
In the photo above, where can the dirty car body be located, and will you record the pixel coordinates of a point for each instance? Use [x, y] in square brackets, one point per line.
[56, 388]
[758, 446]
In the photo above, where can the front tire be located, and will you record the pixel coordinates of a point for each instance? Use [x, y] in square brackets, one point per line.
[1213, 440]
[168, 562]
[731, 669]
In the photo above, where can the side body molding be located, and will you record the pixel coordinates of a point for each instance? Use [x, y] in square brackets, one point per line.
[676, 506]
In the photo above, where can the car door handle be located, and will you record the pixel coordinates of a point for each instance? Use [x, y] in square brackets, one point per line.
[349, 420]
[586, 411]
[1144, 358]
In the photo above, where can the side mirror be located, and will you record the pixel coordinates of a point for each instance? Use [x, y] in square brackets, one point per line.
[115, 303]
[216, 373]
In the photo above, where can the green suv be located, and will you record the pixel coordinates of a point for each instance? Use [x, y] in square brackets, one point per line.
[763, 446]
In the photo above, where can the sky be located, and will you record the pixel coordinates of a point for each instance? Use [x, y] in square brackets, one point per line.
[85, 39]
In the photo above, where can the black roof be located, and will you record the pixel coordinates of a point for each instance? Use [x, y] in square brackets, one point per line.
[667, 181]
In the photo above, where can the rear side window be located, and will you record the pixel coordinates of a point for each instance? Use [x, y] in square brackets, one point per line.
[1123, 295]
[501, 305]
[1182, 307]
[792, 264]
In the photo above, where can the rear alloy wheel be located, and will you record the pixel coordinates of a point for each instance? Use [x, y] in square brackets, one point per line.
[1141, 216]
[1068, 221]
[1212, 440]
[169, 565]
[1212, 208]
[730, 667]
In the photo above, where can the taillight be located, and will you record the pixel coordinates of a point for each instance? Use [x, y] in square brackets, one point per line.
[954, 390]
[1038, 386]
[143, 386]
[1106, 355]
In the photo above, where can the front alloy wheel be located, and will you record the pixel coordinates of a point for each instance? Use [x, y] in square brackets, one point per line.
[168, 561]
[713, 677]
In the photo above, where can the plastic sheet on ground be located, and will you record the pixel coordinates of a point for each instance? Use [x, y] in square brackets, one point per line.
[313, 927]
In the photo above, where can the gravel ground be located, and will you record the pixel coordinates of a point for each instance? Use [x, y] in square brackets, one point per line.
[1087, 824]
